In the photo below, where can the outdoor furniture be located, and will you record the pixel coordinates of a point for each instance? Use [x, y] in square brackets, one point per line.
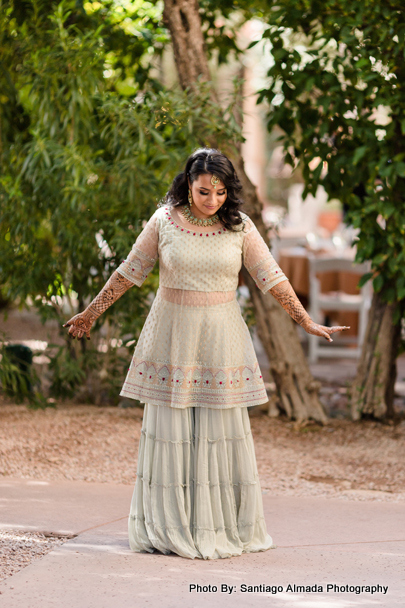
[294, 262]
[321, 301]
[289, 240]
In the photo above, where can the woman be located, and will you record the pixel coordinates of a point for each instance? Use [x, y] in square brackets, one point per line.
[197, 491]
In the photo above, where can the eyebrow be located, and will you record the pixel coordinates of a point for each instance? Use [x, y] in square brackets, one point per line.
[204, 188]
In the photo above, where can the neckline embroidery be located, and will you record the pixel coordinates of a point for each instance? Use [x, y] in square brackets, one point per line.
[192, 231]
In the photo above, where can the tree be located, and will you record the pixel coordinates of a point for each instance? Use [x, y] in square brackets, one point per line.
[336, 89]
[297, 391]
[82, 167]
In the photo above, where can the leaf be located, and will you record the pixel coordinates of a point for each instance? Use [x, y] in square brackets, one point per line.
[364, 278]
[378, 283]
[362, 62]
[400, 169]
[359, 154]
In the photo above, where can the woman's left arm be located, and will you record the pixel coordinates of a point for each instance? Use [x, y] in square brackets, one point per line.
[268, 276]
[288, 299]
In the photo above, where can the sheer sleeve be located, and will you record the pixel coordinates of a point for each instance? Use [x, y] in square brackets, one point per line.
[258, 259]
[143, 255]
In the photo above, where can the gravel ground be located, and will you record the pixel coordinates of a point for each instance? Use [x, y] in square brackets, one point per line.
[347, 460]
[351, 460]
[18, 549]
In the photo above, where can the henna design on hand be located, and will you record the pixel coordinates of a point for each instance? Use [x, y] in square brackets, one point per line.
[81, 323]
[286, 296]
[112, 290]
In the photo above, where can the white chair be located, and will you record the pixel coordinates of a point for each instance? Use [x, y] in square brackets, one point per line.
[320, 301]
[277, 244]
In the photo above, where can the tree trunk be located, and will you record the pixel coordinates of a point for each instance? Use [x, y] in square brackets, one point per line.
[372, 392]
[183, 20]
[296, 389]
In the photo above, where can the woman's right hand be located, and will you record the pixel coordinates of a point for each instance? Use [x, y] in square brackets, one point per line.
[80, 324]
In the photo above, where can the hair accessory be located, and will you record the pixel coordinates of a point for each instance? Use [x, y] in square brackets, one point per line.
[215, 180]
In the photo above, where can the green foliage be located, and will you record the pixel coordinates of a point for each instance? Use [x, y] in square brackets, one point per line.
[82, 168]
[221, 24]
[18, 378]
[336, 88]
[68, 371]
[130, 36]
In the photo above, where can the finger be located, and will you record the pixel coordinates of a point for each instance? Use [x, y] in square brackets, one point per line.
[327, 336]
[325, 331]
[321, 332]
[73, 331]
[339, 328]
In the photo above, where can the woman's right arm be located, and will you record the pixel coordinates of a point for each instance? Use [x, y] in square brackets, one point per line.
[81, 323]
[132, 271]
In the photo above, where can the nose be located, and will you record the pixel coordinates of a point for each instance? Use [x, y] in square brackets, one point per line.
[212, 199]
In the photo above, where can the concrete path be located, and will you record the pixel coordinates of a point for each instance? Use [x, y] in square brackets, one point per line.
[319, 542]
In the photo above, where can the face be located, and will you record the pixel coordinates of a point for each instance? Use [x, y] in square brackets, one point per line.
[207, 199]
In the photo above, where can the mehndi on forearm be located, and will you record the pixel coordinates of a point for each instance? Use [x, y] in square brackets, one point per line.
[115, 287]
[286, 296]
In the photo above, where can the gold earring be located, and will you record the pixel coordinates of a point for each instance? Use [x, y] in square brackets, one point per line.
[190, 198]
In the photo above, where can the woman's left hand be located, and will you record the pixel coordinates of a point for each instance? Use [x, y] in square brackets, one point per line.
[322, 330]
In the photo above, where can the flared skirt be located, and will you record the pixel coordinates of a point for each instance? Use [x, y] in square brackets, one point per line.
[197, 491]
[190, 356]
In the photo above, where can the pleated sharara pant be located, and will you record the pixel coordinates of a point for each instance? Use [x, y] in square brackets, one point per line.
[197, 491]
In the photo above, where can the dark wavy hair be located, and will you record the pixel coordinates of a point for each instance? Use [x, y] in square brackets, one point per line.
[209, 161]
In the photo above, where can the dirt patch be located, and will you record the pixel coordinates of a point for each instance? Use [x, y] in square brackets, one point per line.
[19, 548]
[351, 460]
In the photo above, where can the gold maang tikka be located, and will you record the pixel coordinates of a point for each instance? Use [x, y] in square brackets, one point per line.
[215, 180]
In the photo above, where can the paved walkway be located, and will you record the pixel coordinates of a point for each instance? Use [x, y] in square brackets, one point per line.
[319, 542]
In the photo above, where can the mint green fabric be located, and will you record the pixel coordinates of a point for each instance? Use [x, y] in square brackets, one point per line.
[197, 491]
[195, 348]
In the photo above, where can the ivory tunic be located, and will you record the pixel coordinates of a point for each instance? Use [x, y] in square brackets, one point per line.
[195, 348]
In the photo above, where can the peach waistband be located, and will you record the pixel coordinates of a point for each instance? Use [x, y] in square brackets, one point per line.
[188, 297]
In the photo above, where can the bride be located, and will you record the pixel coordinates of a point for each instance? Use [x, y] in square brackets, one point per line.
[197, 491]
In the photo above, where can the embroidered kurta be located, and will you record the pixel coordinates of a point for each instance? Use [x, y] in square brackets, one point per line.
[195, 348]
